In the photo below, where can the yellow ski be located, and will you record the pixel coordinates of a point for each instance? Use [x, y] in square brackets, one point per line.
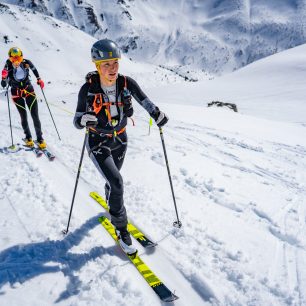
[134, 231]
[154, 282]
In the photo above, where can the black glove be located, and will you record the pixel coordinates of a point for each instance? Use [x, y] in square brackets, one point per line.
[89, 119]
[3, 83]
[160, 118]
[127, 103]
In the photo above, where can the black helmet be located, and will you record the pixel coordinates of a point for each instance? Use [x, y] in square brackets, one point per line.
[105, 49]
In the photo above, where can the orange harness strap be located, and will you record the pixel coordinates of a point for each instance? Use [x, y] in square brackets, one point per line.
[97, 106]
[116, 133]
[109, 135]
[23, 93]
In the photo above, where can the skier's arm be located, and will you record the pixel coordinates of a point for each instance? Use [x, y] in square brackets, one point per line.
[6, 66]
[4, 75]
[140, 96]
[33, 68]
[81, 107]
[40, 82]
[160, 117]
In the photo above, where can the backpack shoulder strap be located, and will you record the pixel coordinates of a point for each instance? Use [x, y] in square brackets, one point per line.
[92, 77]
[122, 82]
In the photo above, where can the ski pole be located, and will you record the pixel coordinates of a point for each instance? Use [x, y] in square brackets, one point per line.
[176, 223]
[150, 124]
[9, 110]
[76, 182]
[50, 113]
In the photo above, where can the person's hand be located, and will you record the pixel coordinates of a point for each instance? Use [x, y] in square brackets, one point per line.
[4, 74]
[41, 83]
[160, 118]
[3, 83]
[89, 120]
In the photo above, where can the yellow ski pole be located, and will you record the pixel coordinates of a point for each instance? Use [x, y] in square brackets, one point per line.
[150, 124]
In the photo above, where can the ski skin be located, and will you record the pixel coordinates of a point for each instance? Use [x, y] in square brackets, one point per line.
[134, 231]
[154, 282]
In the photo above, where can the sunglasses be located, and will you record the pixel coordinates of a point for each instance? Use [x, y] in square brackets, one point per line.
[16, 59]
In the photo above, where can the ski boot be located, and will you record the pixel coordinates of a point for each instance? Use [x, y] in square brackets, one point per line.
[41, 144]
[29, 142]
[125, 241]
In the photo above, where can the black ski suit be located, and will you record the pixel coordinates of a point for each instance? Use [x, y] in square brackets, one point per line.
[23, 94]
[107, 142]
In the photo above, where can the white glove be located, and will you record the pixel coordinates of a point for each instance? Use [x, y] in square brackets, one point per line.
[89, 120]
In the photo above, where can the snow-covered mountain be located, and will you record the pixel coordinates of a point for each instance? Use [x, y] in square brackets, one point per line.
[269, 75]
[50, 41]
[212, 36]
[239, 180]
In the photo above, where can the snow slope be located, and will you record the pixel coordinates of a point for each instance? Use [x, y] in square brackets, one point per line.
[272, 88]
[239, 180]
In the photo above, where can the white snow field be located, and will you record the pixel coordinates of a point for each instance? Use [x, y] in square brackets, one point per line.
[239, 180]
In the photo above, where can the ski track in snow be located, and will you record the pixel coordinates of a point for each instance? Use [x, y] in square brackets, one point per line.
[280, 230]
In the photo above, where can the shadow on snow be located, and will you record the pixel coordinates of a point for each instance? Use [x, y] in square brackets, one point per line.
[23, 262]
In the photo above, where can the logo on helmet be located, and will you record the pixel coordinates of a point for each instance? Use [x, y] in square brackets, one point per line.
[110, 54]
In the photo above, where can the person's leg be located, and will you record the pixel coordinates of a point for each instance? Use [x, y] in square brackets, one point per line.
[118, 157]
[119, 152]
[20, 104]
[104, 162]
[32, 104]
[116, 207]
[102, 156]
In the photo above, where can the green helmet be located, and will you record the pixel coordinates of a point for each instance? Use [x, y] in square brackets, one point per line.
[15, 51]
[104, 50]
